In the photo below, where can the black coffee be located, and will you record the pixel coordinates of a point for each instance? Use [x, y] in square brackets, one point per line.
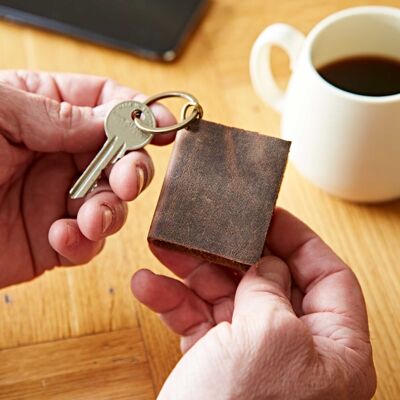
[365, 75]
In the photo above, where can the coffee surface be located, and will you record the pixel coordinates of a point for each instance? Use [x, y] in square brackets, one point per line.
[364, 75]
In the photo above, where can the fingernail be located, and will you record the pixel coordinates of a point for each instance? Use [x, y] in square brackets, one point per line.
[141, 178]
[273, 269]
[72, 236]
[107, 218]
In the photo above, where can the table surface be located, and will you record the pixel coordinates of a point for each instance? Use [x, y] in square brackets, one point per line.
[77, 333]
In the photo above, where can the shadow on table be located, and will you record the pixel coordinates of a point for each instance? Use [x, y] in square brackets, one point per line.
[389, 209]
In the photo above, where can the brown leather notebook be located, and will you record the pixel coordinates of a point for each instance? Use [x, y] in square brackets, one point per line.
[219, 193]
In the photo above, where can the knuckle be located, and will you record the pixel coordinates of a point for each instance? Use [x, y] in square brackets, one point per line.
[31, 80]
[52, 109]
[64, 118]
[62, 115]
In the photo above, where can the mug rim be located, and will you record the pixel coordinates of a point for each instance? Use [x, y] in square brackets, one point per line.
[331, 19]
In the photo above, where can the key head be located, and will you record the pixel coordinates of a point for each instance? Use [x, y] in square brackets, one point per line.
[120, 123]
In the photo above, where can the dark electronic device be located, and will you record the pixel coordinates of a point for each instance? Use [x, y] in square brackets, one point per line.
[155, 29]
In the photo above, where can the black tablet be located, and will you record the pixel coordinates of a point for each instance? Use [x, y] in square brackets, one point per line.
[154, 29]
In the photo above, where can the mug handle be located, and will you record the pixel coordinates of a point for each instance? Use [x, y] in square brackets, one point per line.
[291, 41]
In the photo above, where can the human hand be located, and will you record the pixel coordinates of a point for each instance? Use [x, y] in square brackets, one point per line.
[294, 327]
[51, 125]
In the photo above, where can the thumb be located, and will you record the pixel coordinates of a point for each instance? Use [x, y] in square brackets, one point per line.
[264, 290]
[46, 125]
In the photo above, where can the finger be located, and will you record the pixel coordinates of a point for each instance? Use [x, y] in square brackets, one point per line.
[102, 215]
[211, 282]
[181, 310]
[45, 124]
[164, 118]
[86, 90]
[65, 262]
[179, 263]
[217, 286]
[328, 284]
[127, 178]
[78, 89]
[131, 175]
[289, 238]
[264, 291]
[68, 241]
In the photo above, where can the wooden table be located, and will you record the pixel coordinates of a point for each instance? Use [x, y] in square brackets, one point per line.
[77, 333]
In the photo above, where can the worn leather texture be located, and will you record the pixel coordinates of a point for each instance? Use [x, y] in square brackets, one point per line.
[219, 194]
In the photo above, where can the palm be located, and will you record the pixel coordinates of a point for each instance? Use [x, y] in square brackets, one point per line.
[33, 194]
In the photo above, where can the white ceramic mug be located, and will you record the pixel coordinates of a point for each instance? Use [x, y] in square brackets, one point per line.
[345, 143]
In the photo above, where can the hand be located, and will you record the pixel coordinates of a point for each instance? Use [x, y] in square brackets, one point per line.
[51, 125]
[294, 327]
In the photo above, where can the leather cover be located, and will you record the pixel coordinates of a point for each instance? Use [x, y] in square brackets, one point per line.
[219, 194]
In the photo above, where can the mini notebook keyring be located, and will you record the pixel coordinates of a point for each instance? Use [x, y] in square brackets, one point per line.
[219, 192]
[197, 113]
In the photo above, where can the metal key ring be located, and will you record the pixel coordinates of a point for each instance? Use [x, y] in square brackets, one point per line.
[192, 102]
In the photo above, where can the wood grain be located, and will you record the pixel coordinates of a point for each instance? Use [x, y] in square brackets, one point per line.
[95, 299]
[108, 365]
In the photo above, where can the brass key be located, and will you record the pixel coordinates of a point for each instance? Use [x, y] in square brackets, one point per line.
[122, 135]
